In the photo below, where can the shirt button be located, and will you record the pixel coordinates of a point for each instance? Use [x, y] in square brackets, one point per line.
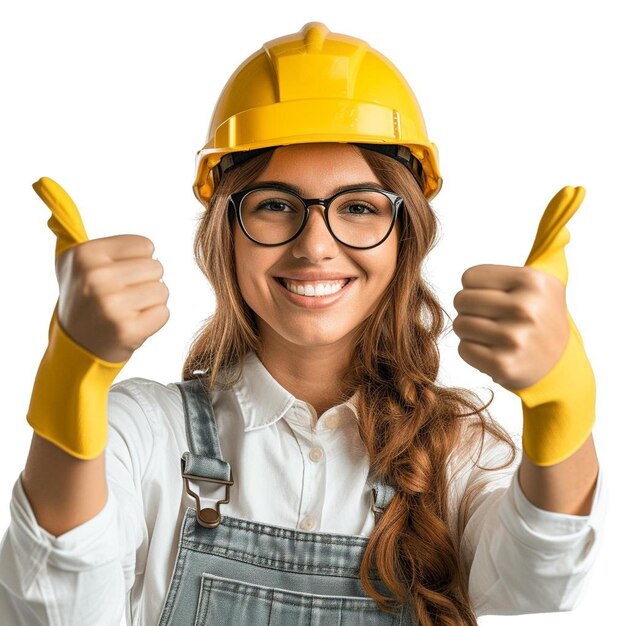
[331, 421]
[316, 454]
[307, 522]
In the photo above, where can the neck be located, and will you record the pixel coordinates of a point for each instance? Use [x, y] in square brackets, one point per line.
[311, 373]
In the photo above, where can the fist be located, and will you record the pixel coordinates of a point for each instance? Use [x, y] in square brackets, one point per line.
[512, 323]
[111, 296]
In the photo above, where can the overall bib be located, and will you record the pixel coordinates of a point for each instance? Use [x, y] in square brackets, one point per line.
[231, 571]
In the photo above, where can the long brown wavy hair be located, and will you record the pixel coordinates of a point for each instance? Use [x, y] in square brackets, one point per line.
[409, 424]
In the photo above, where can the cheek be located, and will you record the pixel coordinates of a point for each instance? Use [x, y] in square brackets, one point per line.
[385, 272]
[381, 265]
[243, 263]
[252, 266]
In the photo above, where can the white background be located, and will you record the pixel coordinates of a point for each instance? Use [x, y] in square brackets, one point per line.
[113, 99]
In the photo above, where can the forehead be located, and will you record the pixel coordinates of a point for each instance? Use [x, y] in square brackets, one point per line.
[318, 168]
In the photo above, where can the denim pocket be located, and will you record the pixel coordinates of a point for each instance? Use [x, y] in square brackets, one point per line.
[224, 602]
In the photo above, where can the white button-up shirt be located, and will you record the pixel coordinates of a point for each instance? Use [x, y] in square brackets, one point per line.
[290, 469]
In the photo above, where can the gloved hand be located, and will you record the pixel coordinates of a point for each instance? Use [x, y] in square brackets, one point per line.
[514, 326]
[558, 410]
[68, 405]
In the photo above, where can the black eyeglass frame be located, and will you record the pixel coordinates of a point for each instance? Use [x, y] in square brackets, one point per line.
[235, 201]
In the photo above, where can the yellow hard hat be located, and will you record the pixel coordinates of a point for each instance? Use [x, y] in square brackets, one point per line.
[316, 86]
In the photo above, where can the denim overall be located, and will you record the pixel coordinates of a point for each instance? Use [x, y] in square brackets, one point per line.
[231, 571]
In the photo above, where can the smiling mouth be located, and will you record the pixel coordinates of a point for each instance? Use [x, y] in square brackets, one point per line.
[313, 288]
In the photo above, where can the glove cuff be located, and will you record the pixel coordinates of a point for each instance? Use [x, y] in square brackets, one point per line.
[559, 409]
[68, 405]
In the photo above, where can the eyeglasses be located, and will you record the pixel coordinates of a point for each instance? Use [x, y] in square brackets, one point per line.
[273, 215]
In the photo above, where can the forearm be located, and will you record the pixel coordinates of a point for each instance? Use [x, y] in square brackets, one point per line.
[63, 491]
[566, 487]
[79, 577]
[525, 559]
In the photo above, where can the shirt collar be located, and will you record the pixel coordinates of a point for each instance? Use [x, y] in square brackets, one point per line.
[263, 401]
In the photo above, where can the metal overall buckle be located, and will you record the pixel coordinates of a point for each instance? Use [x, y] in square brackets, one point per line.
[375, 509]
[207, 517]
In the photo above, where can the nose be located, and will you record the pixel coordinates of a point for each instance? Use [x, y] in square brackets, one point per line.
[315, 241]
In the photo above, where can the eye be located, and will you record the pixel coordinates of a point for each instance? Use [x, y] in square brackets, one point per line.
[274, 206]
[358, 208]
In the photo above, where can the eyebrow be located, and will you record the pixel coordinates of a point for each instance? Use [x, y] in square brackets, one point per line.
[299, 191]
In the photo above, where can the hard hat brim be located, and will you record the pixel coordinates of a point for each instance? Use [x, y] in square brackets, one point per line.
[329, 120]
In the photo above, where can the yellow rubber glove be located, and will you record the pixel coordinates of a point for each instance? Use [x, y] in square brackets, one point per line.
[559, 409]
[68, 405]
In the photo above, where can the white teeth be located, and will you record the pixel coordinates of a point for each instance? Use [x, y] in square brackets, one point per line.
[314, 288]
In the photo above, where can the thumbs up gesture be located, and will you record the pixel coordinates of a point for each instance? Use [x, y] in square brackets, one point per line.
[514, 325]
[111, 300]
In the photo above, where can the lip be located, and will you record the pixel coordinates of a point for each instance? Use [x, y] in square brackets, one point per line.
[314, 302]
[312, 277]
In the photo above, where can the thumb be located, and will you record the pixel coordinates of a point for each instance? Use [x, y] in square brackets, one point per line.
[548, 251]
[65, 222]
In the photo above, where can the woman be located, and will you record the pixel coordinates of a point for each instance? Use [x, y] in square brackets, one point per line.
[326, 476]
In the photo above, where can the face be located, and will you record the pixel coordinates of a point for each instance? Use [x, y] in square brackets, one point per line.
[318, 170]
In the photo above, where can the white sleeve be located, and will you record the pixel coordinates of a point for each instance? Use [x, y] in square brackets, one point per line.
[84, 575]
[522, 559]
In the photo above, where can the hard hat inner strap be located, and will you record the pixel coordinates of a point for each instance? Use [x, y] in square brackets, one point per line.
[399, 153]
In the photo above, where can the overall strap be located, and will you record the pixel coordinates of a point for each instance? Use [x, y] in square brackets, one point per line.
[381, 495]
[203, 461]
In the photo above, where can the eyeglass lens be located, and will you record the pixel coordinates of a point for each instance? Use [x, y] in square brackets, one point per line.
[357, 218]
